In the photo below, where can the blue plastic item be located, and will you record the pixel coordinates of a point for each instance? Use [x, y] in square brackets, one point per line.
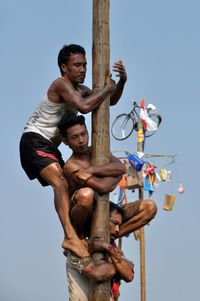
[135, 161]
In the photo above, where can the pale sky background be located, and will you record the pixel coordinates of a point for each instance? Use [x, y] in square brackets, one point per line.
[159, 44]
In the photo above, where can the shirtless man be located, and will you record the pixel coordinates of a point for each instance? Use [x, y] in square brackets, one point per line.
[39, 154]
[117, 267]
[85, 179]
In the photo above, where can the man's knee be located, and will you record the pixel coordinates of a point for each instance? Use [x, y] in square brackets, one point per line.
[53, 175]
[84, 197]
[150, 208]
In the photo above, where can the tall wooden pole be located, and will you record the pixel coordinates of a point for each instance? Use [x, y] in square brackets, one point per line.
[140, 148]
[100, 133]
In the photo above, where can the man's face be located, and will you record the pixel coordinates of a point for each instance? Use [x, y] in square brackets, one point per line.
[75, 68]
[77, 138]
[115, 222]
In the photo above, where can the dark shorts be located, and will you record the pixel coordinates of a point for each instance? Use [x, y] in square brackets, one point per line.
[36, 153]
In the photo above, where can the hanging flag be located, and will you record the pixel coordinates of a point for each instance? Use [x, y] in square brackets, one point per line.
[148, 185]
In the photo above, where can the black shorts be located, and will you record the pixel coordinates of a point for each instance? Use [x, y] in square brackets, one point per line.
[36, 153]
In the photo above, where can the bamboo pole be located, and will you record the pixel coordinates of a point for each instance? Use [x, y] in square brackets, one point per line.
[142, 266]
[140, 148]
[100, 133]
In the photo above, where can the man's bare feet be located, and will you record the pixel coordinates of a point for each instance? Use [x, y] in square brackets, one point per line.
[76, 246]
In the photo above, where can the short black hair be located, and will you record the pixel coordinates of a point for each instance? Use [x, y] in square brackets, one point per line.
[114, 207]
[66, 51]
[66, 122]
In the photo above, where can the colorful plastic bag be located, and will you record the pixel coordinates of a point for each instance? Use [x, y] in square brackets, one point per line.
[135, 161]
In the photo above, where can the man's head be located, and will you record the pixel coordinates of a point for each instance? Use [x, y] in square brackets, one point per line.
[72, 62]
[115, 220]
[74, 132]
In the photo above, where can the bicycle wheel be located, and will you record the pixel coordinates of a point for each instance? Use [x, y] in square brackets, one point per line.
[157, 119]
[122, 127]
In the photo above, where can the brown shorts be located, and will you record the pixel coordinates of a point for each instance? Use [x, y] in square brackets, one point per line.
[77, 262]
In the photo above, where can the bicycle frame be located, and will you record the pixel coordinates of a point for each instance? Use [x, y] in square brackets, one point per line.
[125, 123]
[134, 113]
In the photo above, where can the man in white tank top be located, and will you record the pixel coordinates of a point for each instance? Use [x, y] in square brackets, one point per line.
[39, 154]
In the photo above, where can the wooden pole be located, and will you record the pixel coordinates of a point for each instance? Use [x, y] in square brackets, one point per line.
[140, 148]
[100, 133]
[142, 266]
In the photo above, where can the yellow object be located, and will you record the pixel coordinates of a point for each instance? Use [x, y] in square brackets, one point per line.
[168, 202]
[140, 135]
[163, 174]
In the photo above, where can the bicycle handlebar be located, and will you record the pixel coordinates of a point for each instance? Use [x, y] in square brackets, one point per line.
[135, 103]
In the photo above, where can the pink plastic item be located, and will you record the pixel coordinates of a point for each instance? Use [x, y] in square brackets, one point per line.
[181, 188]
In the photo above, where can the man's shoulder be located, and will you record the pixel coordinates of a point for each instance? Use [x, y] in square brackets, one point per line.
[70, 162]
[73, 164]
[56, 81]
[55, 87]
[61, 83]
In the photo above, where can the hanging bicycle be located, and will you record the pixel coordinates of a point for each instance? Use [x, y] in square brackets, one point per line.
[124, 124]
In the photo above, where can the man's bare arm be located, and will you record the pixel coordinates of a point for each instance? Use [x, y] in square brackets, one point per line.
[118, 67]
[103, 185]
[98, 184]
[82, 177]
[123, 266]
[101, 272]
[75, 98]
[114, 168]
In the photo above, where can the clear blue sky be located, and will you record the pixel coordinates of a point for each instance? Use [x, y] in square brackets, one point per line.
[159, 44]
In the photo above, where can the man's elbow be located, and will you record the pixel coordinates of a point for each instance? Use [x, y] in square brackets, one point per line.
[113, 101]
[129, 277]
[102, 187]
[107, 189]
[84, 109]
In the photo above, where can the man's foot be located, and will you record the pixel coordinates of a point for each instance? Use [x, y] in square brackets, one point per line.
[76, 246]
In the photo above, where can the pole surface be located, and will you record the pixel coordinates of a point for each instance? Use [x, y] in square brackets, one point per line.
[140, 148]
[100, 133]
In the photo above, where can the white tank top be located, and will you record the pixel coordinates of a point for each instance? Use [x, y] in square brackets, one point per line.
[46, 118]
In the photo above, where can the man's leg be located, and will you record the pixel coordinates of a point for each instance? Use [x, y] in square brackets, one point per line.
[81, 212]
[136, 215]
[53, 174]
